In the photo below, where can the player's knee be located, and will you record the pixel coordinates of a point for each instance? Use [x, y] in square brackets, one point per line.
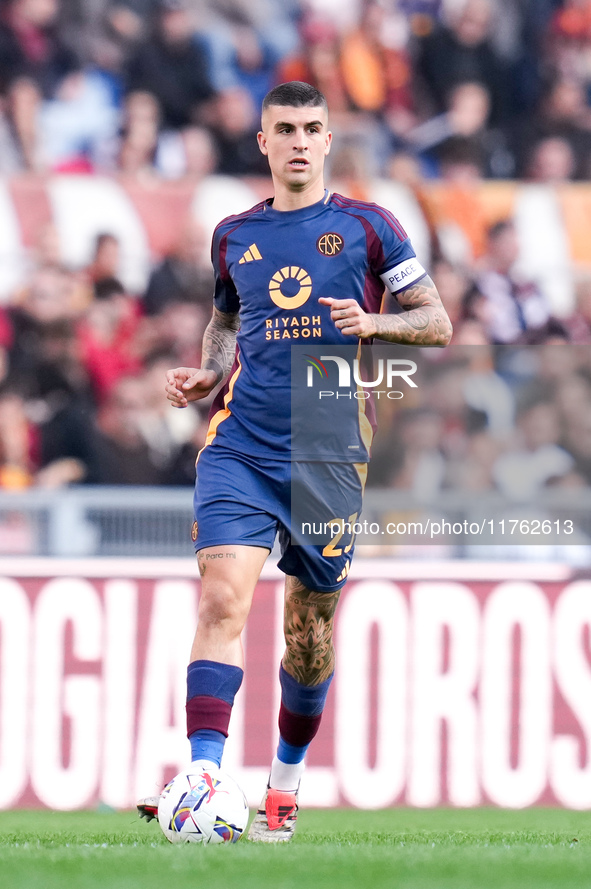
[222, 605]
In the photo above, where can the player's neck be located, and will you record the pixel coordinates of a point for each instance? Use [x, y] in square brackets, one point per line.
[285, 199]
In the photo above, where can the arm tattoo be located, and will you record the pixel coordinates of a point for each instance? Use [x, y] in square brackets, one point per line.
[424, 321]
[219, 343]
[418, 319]
[308, 625]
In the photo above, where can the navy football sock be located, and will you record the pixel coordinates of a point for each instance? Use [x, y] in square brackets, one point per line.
[299, 720]
[211, 688]
[207, 744]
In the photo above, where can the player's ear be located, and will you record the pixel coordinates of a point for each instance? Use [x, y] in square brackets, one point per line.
[262, 140]
[328, 143]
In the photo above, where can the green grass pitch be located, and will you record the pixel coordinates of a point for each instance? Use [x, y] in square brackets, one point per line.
[349, 849]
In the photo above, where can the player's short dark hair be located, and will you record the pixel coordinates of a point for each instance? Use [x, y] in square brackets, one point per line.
[295, 94]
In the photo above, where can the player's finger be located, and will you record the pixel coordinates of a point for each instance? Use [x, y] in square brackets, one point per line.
[172, 393]
[193, 381]
[177, 400]
[337, 303]
[172, 384]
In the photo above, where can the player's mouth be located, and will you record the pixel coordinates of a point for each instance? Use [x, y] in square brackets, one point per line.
[298, 163]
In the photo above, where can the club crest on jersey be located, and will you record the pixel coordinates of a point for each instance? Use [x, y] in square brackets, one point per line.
[330, 244]
[290, 287]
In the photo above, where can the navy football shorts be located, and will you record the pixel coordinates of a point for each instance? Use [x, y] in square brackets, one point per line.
[311, 507]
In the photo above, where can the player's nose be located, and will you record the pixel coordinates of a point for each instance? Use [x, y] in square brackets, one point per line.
[300, 141]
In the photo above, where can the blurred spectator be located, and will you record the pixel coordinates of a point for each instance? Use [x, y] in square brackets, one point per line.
[420, 467]
[570, 40]
[18, 458]
[172, 65]
[20, 450]
[235, 129]
[184, 275]
[105, 260]
[462, 51]
[121, 455]
[46, 252]
[453, 285]
[138, 140]
[46, 249]
[179, 330]
[572, 396]
[5, 342]
[376, 66]
[34, 63]
[44, 304]
[351, 171]
[562, 113]
[241, 58]
[188, 154]
[318, 61]
[579, 324]
[77, 126]
[461, 161]
[108, 337]
[404, 167]
[457, 222]
[552, 333]
[12, 154]
[537, 459]
[63, 408]
[520, 34]
[467, 117]
[111, 29]
[577, 440]
[551, 161]
[45, 367]
[173, 437]
[478, 420]
[512, 307]
[474, 472]
[274, 25]
[470, 332]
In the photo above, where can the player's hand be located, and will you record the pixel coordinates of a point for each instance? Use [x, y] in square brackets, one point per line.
[349, 317]
[185, 384]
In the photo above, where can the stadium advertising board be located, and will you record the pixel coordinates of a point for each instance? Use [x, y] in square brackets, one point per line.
[464, 684]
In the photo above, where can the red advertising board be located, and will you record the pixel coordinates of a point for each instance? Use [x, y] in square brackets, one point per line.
[457, 684]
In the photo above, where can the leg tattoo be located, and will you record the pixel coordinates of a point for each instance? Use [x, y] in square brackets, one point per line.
[308, 627]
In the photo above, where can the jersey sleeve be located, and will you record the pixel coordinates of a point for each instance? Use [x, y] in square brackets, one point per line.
[225, 296]
[396, 263]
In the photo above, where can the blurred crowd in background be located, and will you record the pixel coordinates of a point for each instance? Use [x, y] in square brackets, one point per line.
[169, 90]
[500, 89]
[505, 419]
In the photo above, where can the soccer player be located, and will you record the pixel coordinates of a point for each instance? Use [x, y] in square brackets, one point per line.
[315, 265]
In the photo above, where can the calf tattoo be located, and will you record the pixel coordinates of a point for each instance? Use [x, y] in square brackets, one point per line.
[308, 628]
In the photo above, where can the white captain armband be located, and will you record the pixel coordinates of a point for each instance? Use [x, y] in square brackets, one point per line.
[403, 274]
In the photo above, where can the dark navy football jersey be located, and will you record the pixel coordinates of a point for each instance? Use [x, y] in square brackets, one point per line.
[272, 267]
